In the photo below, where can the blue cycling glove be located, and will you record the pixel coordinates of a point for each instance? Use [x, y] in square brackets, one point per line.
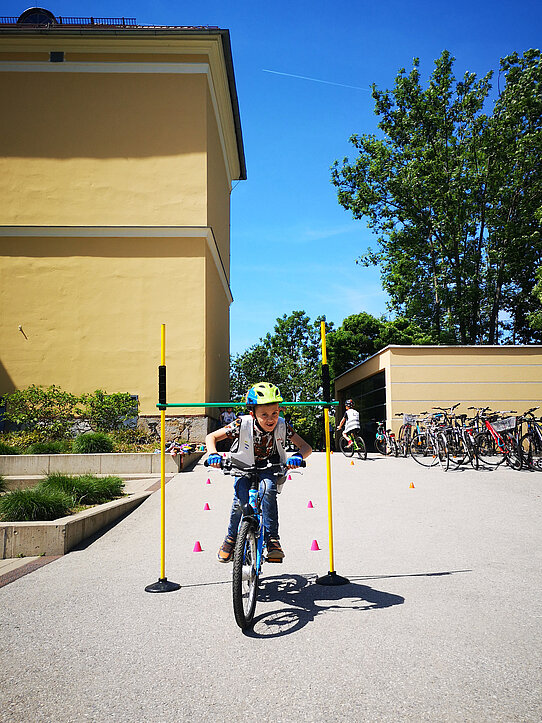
[294, 461]
[214, 459]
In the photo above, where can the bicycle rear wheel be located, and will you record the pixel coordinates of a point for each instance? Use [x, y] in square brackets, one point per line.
[531, 450]
[361, 448]
[347, 450]
[443, 452]
[456, 446]
[421, 450]
[486, 450]
[380, 445]
[245, 575]
[514, 458]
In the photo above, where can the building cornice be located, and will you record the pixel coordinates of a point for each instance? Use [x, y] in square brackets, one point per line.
[127, 232]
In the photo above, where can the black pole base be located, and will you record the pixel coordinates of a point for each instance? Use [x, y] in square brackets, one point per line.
[163, 585]
[332, 579]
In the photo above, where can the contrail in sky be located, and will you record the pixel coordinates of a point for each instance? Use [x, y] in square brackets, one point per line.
[316, 80]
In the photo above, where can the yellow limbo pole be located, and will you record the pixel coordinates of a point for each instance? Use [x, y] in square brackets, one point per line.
[331, 578]
[163, 584]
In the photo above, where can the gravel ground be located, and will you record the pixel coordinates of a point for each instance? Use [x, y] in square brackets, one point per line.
[441, 620]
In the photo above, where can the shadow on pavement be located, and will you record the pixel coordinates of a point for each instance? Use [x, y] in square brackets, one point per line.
[306, 600]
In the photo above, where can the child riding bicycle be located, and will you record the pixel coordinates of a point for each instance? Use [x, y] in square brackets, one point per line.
[350, 421]
[257, 437]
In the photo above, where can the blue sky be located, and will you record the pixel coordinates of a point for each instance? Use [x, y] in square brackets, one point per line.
[293, 246]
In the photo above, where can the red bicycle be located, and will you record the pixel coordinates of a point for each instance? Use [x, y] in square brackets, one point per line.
[497, 443]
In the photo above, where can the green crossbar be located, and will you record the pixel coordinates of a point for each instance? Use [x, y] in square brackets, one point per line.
[244, 404]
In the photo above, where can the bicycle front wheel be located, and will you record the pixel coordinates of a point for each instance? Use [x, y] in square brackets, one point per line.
[486, 450]
[443, 452]
[361, 449]
[380, 445]
[347, 450]
[421, 449]
[245, 575]
[514, 458]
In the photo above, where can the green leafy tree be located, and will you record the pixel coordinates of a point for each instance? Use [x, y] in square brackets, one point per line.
[49, 411]
[362, 335]
[106, 412]
[290, 357]
[451, 193]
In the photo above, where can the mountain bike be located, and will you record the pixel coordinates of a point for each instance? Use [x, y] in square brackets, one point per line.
[357, 445]
[248, 553]
[429, 446]
[385, 442]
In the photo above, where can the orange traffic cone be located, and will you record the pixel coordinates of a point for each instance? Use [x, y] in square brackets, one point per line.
[197, 547]
[411, 486]
[352, 462]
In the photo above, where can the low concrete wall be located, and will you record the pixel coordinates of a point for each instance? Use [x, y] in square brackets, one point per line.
[139, 463]
[60, 536]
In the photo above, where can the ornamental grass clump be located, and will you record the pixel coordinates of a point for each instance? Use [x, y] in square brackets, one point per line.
[34, 504]
[53, 447]
[3, 486]
[84, 489]
[92, 443]
[7, 449]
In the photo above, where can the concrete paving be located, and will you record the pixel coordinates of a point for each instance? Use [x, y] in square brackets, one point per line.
[441, 620]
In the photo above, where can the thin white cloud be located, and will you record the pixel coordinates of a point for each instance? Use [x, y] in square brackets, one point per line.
[315, 80]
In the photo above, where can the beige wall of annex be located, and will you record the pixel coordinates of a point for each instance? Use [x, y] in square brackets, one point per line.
[217, 348]
[109, 148]
[91, 310]
[218, 188]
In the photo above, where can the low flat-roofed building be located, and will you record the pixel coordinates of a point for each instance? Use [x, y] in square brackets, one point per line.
[414, 379]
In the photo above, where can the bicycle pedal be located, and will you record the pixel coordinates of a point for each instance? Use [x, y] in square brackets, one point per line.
[273, 559]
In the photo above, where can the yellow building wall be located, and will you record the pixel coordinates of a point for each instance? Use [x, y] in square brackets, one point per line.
[92, 315]
[419, 378]
[103, 149]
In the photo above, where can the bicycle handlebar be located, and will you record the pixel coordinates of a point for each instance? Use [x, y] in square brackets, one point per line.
[227, 465]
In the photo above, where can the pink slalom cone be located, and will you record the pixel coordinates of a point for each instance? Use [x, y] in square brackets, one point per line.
[314, 546]
[197, 547]
[206, 506]
[208, 481]
[310, 505]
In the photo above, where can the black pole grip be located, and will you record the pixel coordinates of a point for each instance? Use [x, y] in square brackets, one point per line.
[162, 384]
[326, 386]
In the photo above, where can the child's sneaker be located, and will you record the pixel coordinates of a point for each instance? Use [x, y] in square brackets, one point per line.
[225, 551]
[274, 550]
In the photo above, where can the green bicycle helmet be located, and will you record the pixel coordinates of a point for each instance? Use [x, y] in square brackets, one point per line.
[263, 393]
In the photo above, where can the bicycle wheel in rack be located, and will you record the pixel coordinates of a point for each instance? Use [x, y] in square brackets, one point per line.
[422, 450]
[513, 456]
[471, 451]
[531, 450]
[456, 447]
[486, 450]
[361, 448]
[380, 445]
[443, 452]
[346, 449]
[245, 575]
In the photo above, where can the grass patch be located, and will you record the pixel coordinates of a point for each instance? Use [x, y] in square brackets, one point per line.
[34, 504]
[58, 447]
[8, 449]
[85, 489]
[92, 443]
[58, 495]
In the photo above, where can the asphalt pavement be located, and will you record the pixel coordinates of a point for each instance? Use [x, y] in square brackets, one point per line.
[441, 619]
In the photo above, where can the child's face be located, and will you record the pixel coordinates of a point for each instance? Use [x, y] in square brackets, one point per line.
[267, 416]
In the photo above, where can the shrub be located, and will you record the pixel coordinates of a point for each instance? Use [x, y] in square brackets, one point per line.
[49, 411]
[106, 412]
[62, 446]
[2, 484]
[34, 504]
[7, 449]
[84, 489]
[132, 440]
[92, 443]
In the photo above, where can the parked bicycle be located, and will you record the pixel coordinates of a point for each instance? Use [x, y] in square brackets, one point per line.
[531, 441]
[385, 441]
[248, 554]
[429, 445]
[497, 444]
[410, 425]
